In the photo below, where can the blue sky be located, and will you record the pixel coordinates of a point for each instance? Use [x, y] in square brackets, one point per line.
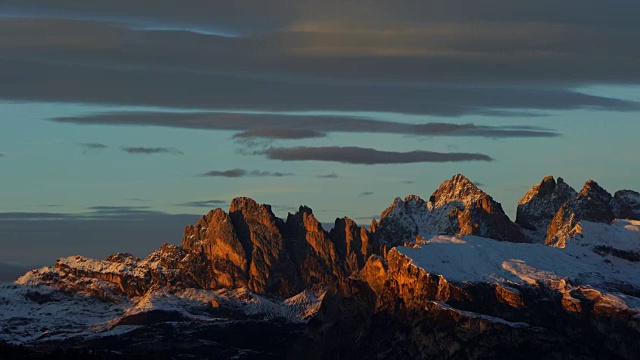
[107, 117]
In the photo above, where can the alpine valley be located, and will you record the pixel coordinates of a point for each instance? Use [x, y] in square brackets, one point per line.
[448, 277]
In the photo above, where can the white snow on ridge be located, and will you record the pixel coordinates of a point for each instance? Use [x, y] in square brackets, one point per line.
[38, 313]
[621, 235]
[476, 259]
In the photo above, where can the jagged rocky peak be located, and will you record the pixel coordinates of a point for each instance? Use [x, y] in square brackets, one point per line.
[539, 205]
[626, 204]
[402, 220]
[458, 188]
[250, 209]
[471, 211]
[593, 203]
[304, 216]
[353, 243]
[594, 192]
[215, 236]
[457, 207]
[251, 247]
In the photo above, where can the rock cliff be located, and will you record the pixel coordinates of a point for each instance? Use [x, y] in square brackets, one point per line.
[538, 206]
[457, 207]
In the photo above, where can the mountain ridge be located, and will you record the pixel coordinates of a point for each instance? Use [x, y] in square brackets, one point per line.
[247, 264]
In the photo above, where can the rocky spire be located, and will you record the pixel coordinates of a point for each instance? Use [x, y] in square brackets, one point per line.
[458, 188]
[593, 203]
[402, 220]
[251, 247]
[626, 204]
[539, 205]
[457, 207]
[471, 211]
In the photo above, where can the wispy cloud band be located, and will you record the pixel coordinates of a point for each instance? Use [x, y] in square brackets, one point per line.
[366, 156]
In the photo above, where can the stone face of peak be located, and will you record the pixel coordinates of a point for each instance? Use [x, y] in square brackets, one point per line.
[593, 203]
[215, 236]
[251, 247]
[402, 220]
[458, 188]
[626, 204]
[247, 205]
[354, 244]
[472, 212]
[539, 205]
[594, 192]
[457, 207]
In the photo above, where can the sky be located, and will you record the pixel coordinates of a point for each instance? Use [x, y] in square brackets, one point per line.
[121, 123]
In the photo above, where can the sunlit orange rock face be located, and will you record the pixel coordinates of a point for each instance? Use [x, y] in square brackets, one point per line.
[251, 247]
[393, 309]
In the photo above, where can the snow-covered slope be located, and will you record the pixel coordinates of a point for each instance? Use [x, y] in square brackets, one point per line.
[41, 313]
[592, 258]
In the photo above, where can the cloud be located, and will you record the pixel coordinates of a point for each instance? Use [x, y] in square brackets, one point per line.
[151, 150]
[88, 147]
[99, 212]
[328, 176]
[117, 211]
[233, 173]
[93, 146]
[407, 182]
[478, 184]
[277, 133]
[253, 16]
[137, 199]
[204, 203]
[303, 124]
[366, 156]
[236, 173]
[366, 193]
[493, 68]
[270, 173]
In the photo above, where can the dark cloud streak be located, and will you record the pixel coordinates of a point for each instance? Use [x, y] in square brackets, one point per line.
[303, 126]
[91, 147]
[233, 173]
[366, 156]
[278, 133]
[151, 150]
[236, 173]
[204, 204]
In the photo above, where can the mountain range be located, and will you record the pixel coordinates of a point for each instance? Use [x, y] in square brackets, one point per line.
[448, 277]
